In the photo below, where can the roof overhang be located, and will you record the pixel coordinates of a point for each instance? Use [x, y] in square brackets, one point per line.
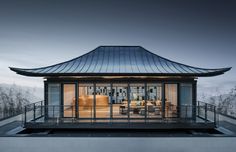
[120, 61]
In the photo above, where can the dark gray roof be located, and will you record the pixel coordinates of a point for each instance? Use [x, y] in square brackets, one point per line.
[119, 60]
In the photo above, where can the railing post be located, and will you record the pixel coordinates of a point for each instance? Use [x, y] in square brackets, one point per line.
[72, 110]
[198, 108]
[53, 111]
[186, 112]
[205, 112]
[215, 115]
[145, 88]
[128, 95]
[41, 108]
[34, 112]
[25, 115]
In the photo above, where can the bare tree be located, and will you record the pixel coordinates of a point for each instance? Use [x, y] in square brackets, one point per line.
[12, 99]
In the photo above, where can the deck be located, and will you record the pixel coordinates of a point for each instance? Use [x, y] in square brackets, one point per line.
[35, 117]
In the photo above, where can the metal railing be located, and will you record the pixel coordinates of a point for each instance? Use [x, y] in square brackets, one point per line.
[6, 113]
[202, 112]
[33, 111]
[208, 112]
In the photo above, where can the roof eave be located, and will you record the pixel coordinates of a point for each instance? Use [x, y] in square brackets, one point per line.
[25, 73]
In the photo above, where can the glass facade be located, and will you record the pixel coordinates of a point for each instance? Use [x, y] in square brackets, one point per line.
[121, 102]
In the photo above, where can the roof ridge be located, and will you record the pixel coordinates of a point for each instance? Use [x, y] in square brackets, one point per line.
[120, 46]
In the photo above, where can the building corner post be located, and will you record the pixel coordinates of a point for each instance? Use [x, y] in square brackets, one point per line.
[194, 102]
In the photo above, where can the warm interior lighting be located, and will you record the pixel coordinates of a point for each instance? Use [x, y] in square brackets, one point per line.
[86, 101]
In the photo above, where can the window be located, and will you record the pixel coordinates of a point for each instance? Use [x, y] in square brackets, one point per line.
[186, 100]
[54, 99]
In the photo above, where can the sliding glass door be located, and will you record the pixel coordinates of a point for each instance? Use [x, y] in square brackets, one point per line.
[120, 101]
[54, 100]
[86, 100]
[137, 102]
[103, 102]
[186, 99]
[171, 100]
[154, 100]
[69, 100]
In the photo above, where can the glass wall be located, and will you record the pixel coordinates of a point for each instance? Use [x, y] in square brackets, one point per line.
[171, 100]
[120, 101]
[137, 100]
[54, 99]
[154, 100]
[69, 100]
[103, 100]
[86, 100]
[186, 100]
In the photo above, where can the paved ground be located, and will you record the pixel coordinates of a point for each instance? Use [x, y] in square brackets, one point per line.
[120, 144]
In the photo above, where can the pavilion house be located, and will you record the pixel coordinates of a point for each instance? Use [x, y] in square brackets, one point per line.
[120, 87]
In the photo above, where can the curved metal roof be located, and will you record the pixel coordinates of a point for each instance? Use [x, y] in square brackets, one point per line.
[119, 60]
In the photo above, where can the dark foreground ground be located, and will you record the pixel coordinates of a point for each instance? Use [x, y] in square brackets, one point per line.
[14, 138]
[15, 129]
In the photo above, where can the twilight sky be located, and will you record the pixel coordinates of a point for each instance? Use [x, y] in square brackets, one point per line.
[40, 33]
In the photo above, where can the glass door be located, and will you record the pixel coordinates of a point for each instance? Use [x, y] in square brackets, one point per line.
[186, 98]
[69, 100]
[103, 102]
[54, 100]
[86, 102]
[171, 100]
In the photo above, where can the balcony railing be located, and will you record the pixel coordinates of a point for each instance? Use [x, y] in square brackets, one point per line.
[208, 112]
[201, 113]
[33, 111]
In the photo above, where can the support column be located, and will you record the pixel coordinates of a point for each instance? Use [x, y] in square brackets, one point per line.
[178, 100]
[163, 103]
[61, 114]
[145, 91]
[115, 93]
[111, 103]
[76, 100]
[94, 101]
[194, 102]
[128, 95]
[45, 100]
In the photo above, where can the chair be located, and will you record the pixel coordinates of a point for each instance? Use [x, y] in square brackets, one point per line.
[150, 108]
[123, 110]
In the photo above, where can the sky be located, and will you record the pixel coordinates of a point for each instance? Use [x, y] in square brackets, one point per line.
[200, 33]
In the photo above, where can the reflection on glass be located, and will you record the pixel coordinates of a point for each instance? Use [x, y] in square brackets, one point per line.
[54, 99]
[186, 100]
